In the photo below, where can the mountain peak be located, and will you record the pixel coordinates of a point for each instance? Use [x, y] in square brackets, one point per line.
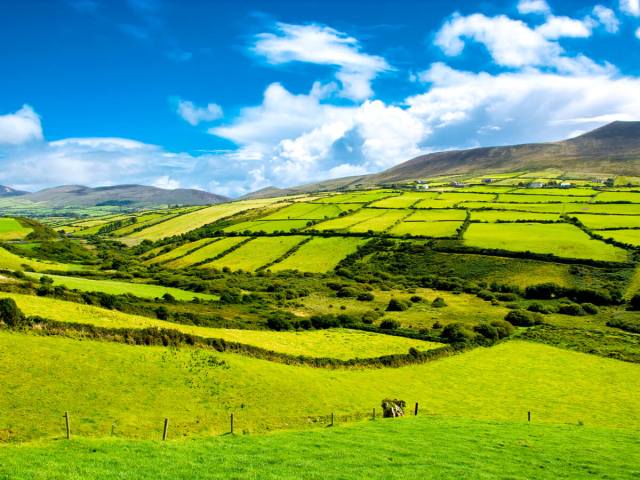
[617, 129]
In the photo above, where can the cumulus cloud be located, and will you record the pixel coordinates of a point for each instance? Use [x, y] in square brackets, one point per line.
[558, 27]
[166, 182]
[323, 45]
[607, 18]
[630, 7]
[194, 114]
[20, 127]
[526, 7]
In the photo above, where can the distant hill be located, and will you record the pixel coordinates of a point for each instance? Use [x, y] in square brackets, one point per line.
[119, 195]
[613, 148]
[10, 192]
[268, 192]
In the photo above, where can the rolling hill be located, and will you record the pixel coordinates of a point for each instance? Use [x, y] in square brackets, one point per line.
[10, 192]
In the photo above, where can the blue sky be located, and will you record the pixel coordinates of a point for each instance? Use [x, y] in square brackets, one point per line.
[231, 96]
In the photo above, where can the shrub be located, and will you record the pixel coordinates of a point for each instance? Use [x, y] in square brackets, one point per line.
[347, 292]
[590, 308]
[389, 324]
[437, 325]
[162, 313]
[487, 331]
[10, 314]
[439, 303]
[416, 299]
[486, 295]
[505, 329]
[278, 323]
[523, 318]
[365, 297]
[544, 291]
[167, 297]
[571, 309]
[396, 305]
[539, 308]
[634, 303]
[507, 297]
[457, 333]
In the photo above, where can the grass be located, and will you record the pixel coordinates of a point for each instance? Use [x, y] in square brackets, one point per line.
[631, 237]
[10, 261]
[426, 229]
[207, 252]
[343, 223]
[12, 229]
[597, 222]
[436, 203]
[181, 250]
[115, 287]
[405, 200]
[267, 226]
[604, 208]
[562, 240]
[256, 253]
[320, 255]
[357, 197]
[336, 343]
[566, 192]
[466, 197]
[309, 211]
[380, 223]
[619, 197]
[502, 216]
[129, 390]
[437, 215]
[519, 198]
[525, 207]
[384, 449]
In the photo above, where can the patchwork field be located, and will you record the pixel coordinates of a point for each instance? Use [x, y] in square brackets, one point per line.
[209, 251]
[562, 240]
[319, 255]
[343, 223]
[438, 229]
[492, 216]
[358, 197]
[268, 226]
[598, 222]
[256, 253]
[630, 237]
[380, 223]
[12, 229]
[181, 250]
[405, 200]
[525, 207]
[310, 211]
[11, 261]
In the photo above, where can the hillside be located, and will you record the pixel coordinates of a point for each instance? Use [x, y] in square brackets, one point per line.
[10, 192]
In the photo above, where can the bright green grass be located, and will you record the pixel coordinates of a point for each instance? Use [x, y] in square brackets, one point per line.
[207, 252]
[609, 221]
[528, 207]
[181, 250]
[357, 197]
[437, 203]
[320, 255]
[567, 192]
[485, 188]
[343, 223]
[310, 211]
[619, 197]
[191, 221]
[256, 253]
[466, 197]
[411, 448]
[436, 215]
[115, 287]
[131, 389]
[335, 343]
[405, 200]
[611, 208]
[503, 216]
[11, 261]
[380, 223]
[515, 198]
[562, 240]
[12, 229]
[631, 237]
[426, 229]
[267, 226]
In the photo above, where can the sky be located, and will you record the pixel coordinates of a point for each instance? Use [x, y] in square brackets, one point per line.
[231, 96]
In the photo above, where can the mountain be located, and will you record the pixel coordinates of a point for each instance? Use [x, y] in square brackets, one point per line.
[120, 195]
[613, 149]
[10, 192]
[268, 192]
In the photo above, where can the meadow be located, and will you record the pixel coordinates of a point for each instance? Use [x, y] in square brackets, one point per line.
[358, 197]
[344, 223]
[256, 253]
[12, 229]
[492, 216]
[209, 251]
[598, 222]
[436, 215]
[181, 250]
[426, 229]
[405, 200]
[380, 223]
[267, 226]
[313, 256]
[562, 240]
[12, 261]
[630, 237]
[310, 211]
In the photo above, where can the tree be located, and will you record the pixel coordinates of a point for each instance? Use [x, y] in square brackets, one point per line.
[10, 313]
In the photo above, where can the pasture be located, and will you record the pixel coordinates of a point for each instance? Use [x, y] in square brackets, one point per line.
[11, 261]
[12, 229]
[380, 223]
[426, 229]
[522, 198]
[559, 239]
[310, 211]
[598, 222]
[436, 215]
[405, 200]
[525, 207]
[493, 216]
[256, 253]
[267, 226]
[357, 197]
[319, 255]
[209, 251]
[630, 237]
[180, 251]
[344, 223]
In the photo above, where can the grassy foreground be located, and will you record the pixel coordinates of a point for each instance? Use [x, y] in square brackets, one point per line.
[411, 448]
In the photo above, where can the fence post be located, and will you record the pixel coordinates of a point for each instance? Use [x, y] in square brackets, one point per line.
[528, 416]
[232, 424]
[66, 419]
[165, 430]
[415, 412]
[332, 419]
[374, 414]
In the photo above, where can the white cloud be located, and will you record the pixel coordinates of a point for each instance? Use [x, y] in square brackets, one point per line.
[194, 115]
[533, 6]
[630, 7]
[323, 45]
[166, 182]
[20, 127]
[638, 33]
[558, 27]
[606, 17]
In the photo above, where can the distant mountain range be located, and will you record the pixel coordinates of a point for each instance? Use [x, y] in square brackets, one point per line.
[10, 192]
[135, 196]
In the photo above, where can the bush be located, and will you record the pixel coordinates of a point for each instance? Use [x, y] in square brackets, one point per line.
[347, 292]
[507, 297]
[505, 329]
[396, 305]
[390, 324]
[439, 303]
[539, 308]
[457, 333]
[486, 295]
[365, 297]
[571, 309]
[590, 308]
[279, 323]
[487, 331]
[10, 314]
[523, 318]
[162, 313]
[634, 303]
[416, 299]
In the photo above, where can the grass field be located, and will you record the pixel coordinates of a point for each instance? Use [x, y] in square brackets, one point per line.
[267, 226]
[256, 253]
[207, 252]
[343, 223]
[436, 203]
[606, 208]
[405, 200]
[46, 376]
[597, 222]
[436, 215]
[492, 216]
[519, 198]
[181, 250]
[12, 229]
[115, 287]
[11, 261]
[381, 222]
[310, 211]
[525, 207]
[631, 237]
[632, 197]
[320, 255]
[411, 448]
[335, 343]
[567, 192]
[358, 197]
[426, 229]
[562, 240]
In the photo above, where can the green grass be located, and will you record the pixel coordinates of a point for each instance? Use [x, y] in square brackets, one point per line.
[567, 192]
[12, 229]
[268, 226]
[256, 253]
[115, 287]
[343, 223]
[597, 222]
[405, 200]
[11, 261]
[618, 197]
[467, 197]
[207, 252]
[562, 240]
[131, 389]
[506, 216]
[426, 229]
[631, 237]
[516, 198]
[437, 203]
[181, 250]
[380, 223]
[526, 207]
[357, 197]
[320, 255]
[609, 209]
[437, 215]
[335, 343]
[309, 211]
[410, 448]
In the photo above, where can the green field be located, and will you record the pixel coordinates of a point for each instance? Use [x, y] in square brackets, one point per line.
[267, 226]
[631, 197]
[516, 198]
[405, 200]
[436, 215]
[436, 203]
[358, 197]
[381, 449]
[604, 208]
[207, 252]
[115, 287]
[567, 192]
[181, 250]
[310, 211]
[426, 229]
[525, 207]
[256, 253]
[559, 239]
[320, 255]
[343, 223]
[12, 229]
[49, 375]
[631, 237]
[10, 261]
[380, 223]
[492, 216]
